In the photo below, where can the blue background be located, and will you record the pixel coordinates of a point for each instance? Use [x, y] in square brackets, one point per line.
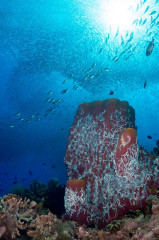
[48, 45]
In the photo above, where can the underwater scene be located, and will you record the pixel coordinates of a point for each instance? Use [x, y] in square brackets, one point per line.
[79, 119]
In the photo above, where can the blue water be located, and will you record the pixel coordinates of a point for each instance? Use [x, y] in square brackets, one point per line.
[49, 45]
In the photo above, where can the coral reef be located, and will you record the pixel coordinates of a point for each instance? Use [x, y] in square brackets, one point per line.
[44, 227]
[108, 173]
[46, 196]
[15, 215]
[19, 220]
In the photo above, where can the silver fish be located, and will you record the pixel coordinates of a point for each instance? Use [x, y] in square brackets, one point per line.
[140, 21]
[122, 40]
[50, 92]
[135, 21]
[64, 91]
[152, 13]
[137, 7]
[117, 32]
[100, 51]
[144, 21]
[106, 69]
[146, 9]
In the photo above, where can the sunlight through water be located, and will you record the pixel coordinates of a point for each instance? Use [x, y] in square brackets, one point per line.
[118, 15]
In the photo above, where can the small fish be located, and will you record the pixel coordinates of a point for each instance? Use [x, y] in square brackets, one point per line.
[149, 137]
[90, 70]
[53, 101]
[92, 76]
[122, 40]
[53, 166]
[131, 37]
[64, 91]
[114, 58]
[144, 1]
[94, 64]
[150, 48]
[152, 13]
[15, 182]
[141, 2]
[75, 87]
[32, 116]
[58, 100]
[37, 119]
[48, 100]
[128, 57]
[123, 52]
[106, 69]
[30, 172]
[127, 33]
[117, 32]
[146, 9]
[156, 17]
[140, 21]
[50, 92]
[100, 51]
[86, 77]
[100, 71]
[135, 21]
[21, 119]
[149, 34]
[51, 110]
[111, 93]
[145, 84]
[64, 81]
[144, 21]
[137, 7]
[17, 114]
[11, 126]
[46, 114]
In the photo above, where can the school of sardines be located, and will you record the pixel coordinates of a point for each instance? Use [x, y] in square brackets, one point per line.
[147, 20]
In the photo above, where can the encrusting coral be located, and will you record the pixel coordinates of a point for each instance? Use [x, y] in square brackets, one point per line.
[44, 227]
[15, 215]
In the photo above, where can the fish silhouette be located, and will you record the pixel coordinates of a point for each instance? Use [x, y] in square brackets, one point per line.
[150, 48]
